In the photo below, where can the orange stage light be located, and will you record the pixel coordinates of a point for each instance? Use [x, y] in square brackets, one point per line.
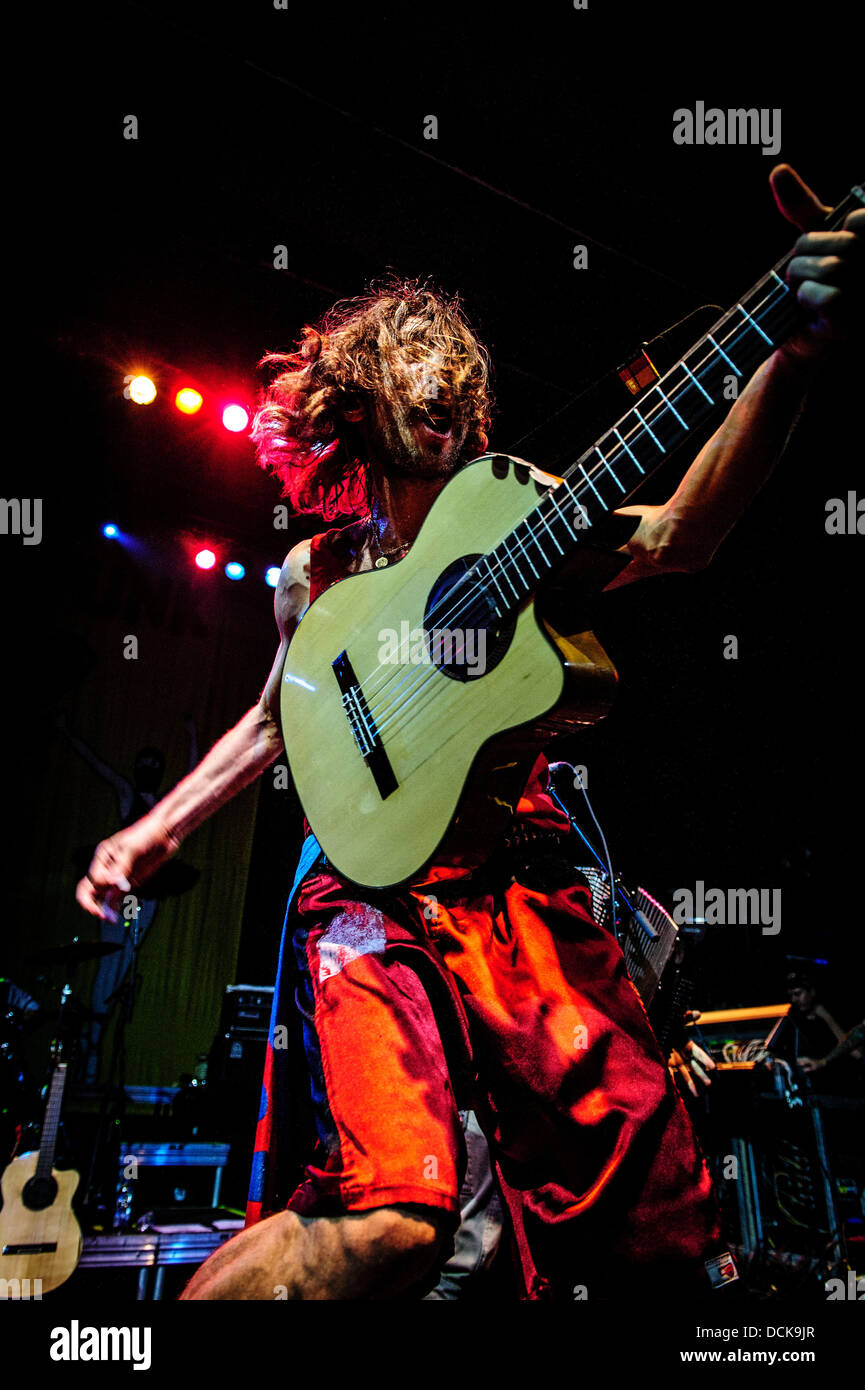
[188, 401]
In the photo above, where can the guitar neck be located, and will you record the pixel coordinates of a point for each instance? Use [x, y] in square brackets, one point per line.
[639, 442]
[50, 1124]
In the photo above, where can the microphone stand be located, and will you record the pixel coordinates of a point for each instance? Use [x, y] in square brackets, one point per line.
[113, 1105]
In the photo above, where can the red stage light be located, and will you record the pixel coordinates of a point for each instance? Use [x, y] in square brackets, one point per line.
[235, 418]
[188, 401]
[205, 559]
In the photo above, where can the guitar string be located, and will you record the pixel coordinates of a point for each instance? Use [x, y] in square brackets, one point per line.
[616, 453]
[383, 715]
[659, 409]
[772, 279]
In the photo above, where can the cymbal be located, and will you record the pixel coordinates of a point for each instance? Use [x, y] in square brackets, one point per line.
[73, 952]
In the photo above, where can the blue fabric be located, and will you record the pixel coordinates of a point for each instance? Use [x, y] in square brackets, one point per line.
[310, 855]
[282, 1013]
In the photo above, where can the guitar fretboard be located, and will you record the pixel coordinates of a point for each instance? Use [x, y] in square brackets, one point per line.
[619, 461]
[45, 1162]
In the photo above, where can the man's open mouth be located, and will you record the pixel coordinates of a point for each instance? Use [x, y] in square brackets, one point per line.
[435, 417]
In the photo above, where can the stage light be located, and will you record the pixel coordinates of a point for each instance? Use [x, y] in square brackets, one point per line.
[234, 570]
[109, 530]
[272, 576]
[205, 559]
[142, 390]
[235, 418]
[188, 401]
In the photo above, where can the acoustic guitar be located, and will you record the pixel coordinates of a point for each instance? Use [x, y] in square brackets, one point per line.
[40, 1239]
[415, 698]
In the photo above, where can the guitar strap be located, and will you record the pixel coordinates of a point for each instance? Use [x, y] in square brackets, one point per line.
[263, 1176]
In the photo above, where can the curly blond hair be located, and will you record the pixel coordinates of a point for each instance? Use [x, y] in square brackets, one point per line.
[369, 346]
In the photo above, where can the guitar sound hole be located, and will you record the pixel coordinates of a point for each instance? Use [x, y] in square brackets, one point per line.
[39, 1193]
[463, 637]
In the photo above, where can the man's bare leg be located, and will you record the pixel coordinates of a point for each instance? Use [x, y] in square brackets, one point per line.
[369, 1254]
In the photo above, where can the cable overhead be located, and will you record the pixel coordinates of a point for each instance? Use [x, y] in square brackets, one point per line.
[464, 173]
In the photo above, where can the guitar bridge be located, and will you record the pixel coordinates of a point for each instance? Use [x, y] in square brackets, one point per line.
[45, 1247]
[362, 724]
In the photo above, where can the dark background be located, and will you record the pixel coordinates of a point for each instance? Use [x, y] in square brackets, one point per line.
[260, 127]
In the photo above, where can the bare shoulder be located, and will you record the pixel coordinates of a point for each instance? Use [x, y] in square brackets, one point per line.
[292, 589]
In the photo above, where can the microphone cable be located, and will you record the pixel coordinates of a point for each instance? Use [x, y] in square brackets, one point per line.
[606, 862]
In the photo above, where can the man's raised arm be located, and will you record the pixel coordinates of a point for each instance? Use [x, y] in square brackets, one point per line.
[827, 274]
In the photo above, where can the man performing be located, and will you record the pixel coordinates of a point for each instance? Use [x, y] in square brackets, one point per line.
[504, 997]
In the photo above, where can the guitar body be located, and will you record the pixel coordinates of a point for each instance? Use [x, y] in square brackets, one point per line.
[435, 729]
[52, 1234]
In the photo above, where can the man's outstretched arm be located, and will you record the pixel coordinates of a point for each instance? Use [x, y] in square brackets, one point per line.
[128, 858]
[827, 274]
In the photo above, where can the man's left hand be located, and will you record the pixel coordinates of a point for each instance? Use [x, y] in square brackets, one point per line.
[826, 271]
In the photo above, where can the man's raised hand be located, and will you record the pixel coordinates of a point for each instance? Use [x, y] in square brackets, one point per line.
[826, 271]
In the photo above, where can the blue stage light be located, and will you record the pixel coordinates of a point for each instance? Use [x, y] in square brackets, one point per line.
[272, 576]
[234, 570]
[109, 530]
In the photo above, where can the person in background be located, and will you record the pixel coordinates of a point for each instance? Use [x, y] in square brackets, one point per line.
[135, 797]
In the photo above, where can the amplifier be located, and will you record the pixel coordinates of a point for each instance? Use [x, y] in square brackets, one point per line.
[246, 1011]
[234, 1078]
[237, 1054]
[234, 1075]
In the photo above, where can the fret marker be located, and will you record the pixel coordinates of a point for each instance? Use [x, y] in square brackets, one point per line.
[756, 325]
[516, 535]
[561, 514]
[672, 407]
[592, 486]
[723, 354]
[783, 283]
[609, 469]
[628, 450]
[535, 538]
[697, 384]
[650, 430]
[547, 524]
[579, 510]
